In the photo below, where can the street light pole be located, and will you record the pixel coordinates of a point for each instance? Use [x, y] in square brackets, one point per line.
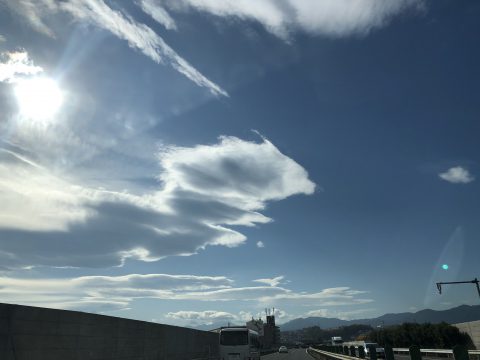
[474, 281]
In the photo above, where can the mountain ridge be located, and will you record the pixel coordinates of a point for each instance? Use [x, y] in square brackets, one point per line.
[459, 314]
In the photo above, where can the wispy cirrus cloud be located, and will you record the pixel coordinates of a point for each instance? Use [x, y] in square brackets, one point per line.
[457, 175]
[138, 36]
[319, 17]
[103, 293]
[206, 189]
[119, 23]
[158, 13]
[34, 12]
[343, 315]
[90, 292]
[207, 316]
[272, 282]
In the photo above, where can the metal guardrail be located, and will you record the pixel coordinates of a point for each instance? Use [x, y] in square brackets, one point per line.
[434, 351]
[473, 354]
[331, 355]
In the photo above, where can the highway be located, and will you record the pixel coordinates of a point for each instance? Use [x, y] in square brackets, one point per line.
[293, 354]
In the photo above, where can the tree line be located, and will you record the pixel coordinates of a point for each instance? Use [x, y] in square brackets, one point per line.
[429, 336]
[316, 335]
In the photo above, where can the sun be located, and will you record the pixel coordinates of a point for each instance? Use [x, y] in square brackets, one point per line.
[38, 98]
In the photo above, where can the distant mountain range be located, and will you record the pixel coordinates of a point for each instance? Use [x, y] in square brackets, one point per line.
[455, 315]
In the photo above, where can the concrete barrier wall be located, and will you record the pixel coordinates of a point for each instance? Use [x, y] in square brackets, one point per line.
[472, 328]
[32, 333]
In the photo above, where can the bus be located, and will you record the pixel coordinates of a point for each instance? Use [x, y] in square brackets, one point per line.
[239, 343]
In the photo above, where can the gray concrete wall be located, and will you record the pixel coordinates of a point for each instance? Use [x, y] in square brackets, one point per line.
[472, 328]
[32, 333]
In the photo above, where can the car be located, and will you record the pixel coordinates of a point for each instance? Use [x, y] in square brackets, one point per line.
[379, 350]
[282, 349]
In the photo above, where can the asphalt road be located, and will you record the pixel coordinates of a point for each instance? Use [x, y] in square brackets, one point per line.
[293, 354]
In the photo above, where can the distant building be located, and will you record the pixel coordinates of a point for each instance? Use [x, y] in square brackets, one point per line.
[271, 333]
[256, 325]
[472, 328]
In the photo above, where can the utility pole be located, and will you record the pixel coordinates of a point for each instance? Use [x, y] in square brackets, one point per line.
[474, 281]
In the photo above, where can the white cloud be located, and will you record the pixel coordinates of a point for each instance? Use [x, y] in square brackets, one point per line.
[338, 296]
[15, 64]
[272, 282]
[235, 170]
[320, 313]
[33, 12]
[324, 17]
[457, 175]
[343, 315]
[2, 38]
[282, 315]
[34, 200]
[208, 316]
[158, 13]
[138, 36]
[245, 316]
[98, 13]
[53, 222]
[260, 244]
[253, 293]
[97, 292]
[102, 292]
[156, 282]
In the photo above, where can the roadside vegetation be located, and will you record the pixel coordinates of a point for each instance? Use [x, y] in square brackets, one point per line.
[316, 335]
[431, 336]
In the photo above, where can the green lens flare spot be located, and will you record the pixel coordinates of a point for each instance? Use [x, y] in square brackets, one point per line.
[445, 267]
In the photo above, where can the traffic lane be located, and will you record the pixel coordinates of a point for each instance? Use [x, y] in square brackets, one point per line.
[293, 354]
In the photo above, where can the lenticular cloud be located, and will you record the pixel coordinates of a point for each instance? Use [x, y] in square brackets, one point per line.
[205, 190]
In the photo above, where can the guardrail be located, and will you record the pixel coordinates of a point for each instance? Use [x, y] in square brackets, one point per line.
[444, 352]
[321, 354]
[414, 352]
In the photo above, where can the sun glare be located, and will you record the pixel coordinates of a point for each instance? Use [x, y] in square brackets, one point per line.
[38, 98]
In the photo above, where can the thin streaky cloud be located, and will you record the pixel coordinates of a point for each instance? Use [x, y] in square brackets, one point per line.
[207, 315]
[158, 13]
[98, 13]
[343, 315]
[138, 36]
[334, 18]
[121, 291]
[272, 282]
[33, 12]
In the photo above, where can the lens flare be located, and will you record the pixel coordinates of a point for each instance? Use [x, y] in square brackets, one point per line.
[445, 267]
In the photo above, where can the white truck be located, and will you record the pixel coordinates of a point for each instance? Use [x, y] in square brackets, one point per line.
[337, 340]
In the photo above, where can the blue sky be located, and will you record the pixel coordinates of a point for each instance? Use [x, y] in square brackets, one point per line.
[194, 162]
